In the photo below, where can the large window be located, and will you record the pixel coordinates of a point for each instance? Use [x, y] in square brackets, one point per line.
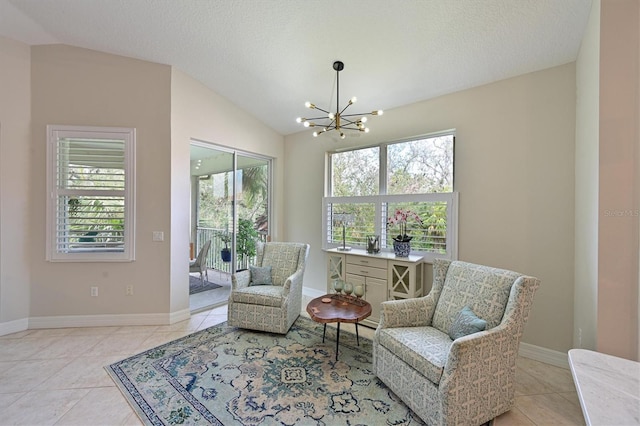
[367, 186]
[90, 182]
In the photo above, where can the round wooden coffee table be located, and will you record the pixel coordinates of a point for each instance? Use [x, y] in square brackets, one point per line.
[336, 308]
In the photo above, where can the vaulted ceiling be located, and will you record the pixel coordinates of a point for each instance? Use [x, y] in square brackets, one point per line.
[270, 56]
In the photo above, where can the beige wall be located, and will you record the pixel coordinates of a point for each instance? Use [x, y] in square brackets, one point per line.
[82, 87]
[619, 141]
[15, 182]
[201, 114]
[514, 169]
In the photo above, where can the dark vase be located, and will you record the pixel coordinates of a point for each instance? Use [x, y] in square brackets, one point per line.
[402, 248]
[225, 253]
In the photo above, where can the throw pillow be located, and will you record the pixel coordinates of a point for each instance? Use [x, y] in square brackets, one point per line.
[260, 275]
[466, 322]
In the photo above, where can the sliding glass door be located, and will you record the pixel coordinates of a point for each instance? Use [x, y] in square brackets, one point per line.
[230, 204]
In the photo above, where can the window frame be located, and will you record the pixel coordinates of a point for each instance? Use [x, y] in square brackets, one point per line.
[56, 133]
[382, 200]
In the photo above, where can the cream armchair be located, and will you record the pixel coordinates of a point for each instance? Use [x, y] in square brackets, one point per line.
[421, 352]
[268, 296]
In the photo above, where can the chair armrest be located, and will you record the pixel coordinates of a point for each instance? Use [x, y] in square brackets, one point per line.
[293, 282]
[482, 356]
[414, 312]
[240, 279]
[493, 353]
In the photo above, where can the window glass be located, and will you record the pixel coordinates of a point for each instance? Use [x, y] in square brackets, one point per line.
[355, 172]
[358, 220]
[427, 228]
[420, 166]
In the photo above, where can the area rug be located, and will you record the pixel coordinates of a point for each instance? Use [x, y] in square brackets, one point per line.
[195, 285]
[229, 376]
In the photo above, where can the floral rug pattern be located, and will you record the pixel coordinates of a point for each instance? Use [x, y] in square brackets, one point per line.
[229, 376]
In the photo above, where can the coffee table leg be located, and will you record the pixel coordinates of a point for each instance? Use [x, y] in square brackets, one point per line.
[324, 331]
[357, 336]
[337, 340]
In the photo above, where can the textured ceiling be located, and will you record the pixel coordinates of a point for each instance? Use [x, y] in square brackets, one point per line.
[270, 56]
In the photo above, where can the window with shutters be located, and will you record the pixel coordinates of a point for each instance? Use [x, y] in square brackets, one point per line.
[368, 185]
[91, 184]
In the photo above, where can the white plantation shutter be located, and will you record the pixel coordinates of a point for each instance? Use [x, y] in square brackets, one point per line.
[91, 193]
[435, 237]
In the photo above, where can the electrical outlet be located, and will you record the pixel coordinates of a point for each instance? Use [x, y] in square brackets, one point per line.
[158, 236]
[94, 291]
[129, 290]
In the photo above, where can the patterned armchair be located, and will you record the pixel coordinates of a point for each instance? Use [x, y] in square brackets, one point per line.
[468, 380]
[268, 296]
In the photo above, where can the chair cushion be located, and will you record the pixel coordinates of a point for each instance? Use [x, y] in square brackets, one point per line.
[265, 295]
[484, 289]
[260, 275]
[283, 259]
[423, 348]
[466, 322]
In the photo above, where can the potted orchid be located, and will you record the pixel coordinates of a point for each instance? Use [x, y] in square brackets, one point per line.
[402, 242]
[400, 218]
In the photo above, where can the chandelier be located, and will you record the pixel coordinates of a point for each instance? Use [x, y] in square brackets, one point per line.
[337, 120]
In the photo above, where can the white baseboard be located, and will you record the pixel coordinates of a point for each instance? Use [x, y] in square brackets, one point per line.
[312, 293]
[108, 320]
[178, 316]
[14, 326]
[548, 356]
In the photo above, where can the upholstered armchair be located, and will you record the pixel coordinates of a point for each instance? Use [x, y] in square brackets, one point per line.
[268, 296]
[429, 351]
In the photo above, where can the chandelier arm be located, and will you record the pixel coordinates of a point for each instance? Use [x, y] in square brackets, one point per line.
[329, 126]
[330, 123]
[323, 110]
[317, 118]
[344, 109]
[353, 115]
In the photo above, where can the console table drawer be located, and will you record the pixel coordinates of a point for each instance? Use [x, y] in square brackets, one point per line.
[367, 261]
[367, 271]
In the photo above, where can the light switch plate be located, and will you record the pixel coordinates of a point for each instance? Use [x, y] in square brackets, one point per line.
[158, 236]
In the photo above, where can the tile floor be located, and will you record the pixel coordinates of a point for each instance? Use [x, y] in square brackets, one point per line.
[212, 298]
[56, 376]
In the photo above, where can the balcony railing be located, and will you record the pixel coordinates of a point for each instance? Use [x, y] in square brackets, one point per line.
[214, 259]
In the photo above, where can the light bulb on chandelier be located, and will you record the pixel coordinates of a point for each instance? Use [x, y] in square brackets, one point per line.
[337, 120]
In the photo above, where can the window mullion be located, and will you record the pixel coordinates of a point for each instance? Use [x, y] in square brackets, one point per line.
[383, 170]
